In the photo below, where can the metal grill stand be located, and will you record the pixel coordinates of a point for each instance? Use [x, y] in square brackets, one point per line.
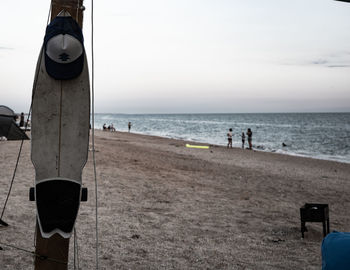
[314, 212]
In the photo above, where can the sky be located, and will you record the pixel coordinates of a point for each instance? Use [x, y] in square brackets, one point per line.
[194, 56]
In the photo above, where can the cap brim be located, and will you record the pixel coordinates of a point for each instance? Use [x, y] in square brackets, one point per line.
[64, 71]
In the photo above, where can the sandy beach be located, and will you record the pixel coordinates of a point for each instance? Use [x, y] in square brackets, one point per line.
[165, 206]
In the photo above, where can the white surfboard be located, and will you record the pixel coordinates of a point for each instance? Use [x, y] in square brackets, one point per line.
[60, 140]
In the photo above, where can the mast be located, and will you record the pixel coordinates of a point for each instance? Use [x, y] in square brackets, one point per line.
[53, 253]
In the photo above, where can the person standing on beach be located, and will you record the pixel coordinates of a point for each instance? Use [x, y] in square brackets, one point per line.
[129, 126]
[243, 139]
[229, 138]
[249, 135]
[21, 121]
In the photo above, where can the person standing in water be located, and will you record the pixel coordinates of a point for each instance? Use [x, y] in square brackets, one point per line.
[229, 138]
[249, 135]
[243, 139]
[129, 126]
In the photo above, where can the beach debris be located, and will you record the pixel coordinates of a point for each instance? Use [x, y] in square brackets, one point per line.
[163, 201]
[277, 240]
[197, 146]
[135, 236]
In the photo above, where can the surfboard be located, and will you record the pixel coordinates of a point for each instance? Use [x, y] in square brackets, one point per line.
[60, 140]
[60, 133]
[197, 146]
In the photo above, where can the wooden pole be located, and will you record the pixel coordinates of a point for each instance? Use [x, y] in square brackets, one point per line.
[53, 253]
[72, 6]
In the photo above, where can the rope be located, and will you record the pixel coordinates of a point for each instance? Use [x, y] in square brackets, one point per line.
[49, 14]
[93, 125]
[76, 251]
[13, 178]
[25, 129]
[16, 166]
[34, 87]
[21, 146]
[42, 257]
[34, 238]
[77, 12]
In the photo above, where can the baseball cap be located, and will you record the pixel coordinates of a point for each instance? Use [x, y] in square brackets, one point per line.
[64, 48]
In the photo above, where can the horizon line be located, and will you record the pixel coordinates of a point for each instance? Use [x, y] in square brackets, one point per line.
[218, 112]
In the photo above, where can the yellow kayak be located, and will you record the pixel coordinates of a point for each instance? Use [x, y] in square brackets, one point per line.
[197, 146]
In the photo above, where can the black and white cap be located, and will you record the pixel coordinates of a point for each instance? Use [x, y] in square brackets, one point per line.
[64, 48]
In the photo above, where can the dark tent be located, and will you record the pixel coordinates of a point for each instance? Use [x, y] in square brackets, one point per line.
[8, 126]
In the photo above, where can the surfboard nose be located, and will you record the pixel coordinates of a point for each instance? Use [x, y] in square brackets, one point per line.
[57, 203]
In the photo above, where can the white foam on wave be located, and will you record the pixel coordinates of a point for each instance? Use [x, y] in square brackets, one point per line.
[311, 155]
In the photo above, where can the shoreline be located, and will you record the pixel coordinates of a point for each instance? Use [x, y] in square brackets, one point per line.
[165, 206]
[235, 147]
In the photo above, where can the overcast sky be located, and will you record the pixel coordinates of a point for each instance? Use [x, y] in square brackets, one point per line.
[189, 56]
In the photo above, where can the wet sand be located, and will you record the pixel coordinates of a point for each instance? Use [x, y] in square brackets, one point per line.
[165, 206]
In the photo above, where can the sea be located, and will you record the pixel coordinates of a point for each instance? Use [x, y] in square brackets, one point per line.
[317, 135]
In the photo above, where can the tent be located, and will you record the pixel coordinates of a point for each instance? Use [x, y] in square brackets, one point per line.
[8, 126]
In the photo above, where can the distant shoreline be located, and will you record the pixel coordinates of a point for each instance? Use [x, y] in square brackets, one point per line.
[234, 147]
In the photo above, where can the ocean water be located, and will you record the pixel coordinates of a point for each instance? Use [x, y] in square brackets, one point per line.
[317, 135]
